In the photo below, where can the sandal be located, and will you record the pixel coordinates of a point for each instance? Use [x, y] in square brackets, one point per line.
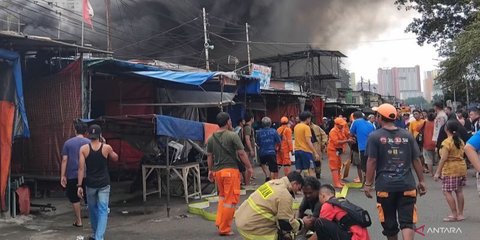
[356, 180]
[450, 219]
[461, 218]
[77, 225]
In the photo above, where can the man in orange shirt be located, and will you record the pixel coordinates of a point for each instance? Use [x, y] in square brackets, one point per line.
[305, 152]
[286, 146]
[415, 126]
[336, 145]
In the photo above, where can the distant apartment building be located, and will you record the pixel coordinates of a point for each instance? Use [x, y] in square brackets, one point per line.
[352, 81]
[401, 82]
[367, 86]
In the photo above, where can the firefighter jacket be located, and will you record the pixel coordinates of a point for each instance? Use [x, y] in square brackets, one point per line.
[258, 216]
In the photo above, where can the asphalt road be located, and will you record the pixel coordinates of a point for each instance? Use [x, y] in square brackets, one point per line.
[149, 221]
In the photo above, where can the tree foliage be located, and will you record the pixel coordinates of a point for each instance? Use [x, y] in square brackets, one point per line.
[453, 26]
[441, 20]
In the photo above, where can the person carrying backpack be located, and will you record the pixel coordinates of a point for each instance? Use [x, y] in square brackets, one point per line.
[340, 219]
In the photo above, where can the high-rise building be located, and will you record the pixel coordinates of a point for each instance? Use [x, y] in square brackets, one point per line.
[352, 81]
[402, 82]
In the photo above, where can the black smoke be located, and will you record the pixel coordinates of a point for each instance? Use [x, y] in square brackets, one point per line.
[137, 24]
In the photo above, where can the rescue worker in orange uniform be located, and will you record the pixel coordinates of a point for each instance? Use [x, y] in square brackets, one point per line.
[223, 147]
[338, 138]
[286, 146]
[268, 213]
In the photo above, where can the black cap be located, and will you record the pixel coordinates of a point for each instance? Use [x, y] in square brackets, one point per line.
[94, 131]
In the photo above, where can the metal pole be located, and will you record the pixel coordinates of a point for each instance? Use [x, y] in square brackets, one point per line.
[83, 27]
[8, 22]
[107, 16]
[207, 64]
[59, 24]
[222, 83]
[468, 97]
[248, 49]
[18, 23]
[168, 179]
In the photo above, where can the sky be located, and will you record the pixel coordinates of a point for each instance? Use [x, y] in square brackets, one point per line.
[391, 48]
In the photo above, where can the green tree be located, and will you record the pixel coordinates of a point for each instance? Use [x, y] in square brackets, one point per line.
[441, 20]
[453, 27]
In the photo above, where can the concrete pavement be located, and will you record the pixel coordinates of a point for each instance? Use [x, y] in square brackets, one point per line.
[131, 219]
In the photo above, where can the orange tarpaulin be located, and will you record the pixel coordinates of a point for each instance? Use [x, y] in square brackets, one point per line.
[209, 129]
[7, 110]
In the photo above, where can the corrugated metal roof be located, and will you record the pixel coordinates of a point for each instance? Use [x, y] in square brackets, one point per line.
[15, 41]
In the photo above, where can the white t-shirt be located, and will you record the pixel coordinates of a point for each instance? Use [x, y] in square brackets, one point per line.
[440, 120]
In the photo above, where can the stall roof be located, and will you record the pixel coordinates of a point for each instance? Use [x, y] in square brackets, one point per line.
[115, 66]
[23, 42]
[299, 55]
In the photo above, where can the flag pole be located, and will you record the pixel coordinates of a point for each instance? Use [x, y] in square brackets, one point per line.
[83, 28]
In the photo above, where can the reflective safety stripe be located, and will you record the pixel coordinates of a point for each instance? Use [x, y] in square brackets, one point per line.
[221, 198]
[260, 211]
[229, 205]
[248, 236]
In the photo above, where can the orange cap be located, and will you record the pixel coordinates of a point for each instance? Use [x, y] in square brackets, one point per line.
[284, 120]
[340, 121]
[387, 111]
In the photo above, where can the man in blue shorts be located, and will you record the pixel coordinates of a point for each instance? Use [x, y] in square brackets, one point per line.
[361, 128]
[69, 168]
[304, 150]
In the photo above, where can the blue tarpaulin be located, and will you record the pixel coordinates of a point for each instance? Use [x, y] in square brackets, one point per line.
[179, 128]
[14, 59]
[190, 78]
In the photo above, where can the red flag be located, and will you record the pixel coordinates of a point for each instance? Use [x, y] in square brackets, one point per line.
[87, 12]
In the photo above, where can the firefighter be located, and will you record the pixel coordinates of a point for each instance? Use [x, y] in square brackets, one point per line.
[268, 214]
[319, 146]
[338, 138]
[286, 146]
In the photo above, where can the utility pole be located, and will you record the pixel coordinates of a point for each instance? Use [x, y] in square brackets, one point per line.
[107, 16]
[248, 49]
[468, 97]
[18, 23]
[59, 23]
[83, 31]
[206, 45]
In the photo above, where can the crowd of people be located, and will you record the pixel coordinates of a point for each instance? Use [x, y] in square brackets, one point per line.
[388, 148]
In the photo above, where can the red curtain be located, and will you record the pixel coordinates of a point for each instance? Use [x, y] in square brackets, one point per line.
[317, 109]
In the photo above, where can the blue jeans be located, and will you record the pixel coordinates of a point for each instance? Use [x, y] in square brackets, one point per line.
[97, 199]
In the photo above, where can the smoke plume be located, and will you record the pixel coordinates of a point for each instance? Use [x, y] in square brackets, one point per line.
[139, 27]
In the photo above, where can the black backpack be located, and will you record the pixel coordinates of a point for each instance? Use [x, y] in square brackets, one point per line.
[355, 214]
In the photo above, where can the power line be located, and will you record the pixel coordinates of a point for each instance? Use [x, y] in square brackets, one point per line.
[158, 34]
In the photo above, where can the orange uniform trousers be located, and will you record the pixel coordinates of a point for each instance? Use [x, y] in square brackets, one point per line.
[334, 161]
[283, 157]
[228, 186]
